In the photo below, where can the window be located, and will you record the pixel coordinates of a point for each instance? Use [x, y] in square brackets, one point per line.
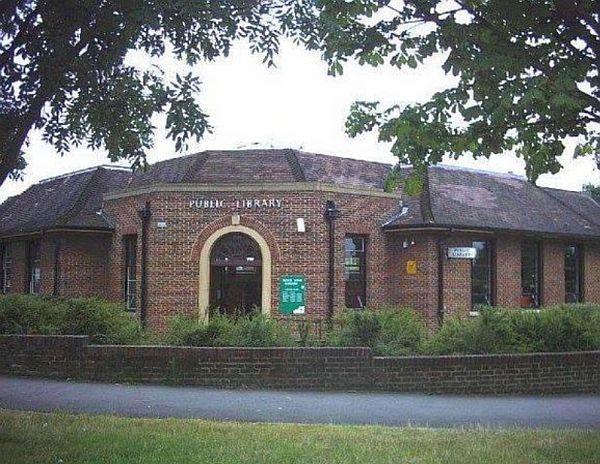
[34, 271]
[481, 275]
[130, 245]
[530, 274]
[355, 271]
[573, 274]
[5, 271]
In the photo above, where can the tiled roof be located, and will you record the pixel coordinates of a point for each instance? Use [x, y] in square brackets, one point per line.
[452, 197]
[70, 201]
[263, 166]
[463, 198]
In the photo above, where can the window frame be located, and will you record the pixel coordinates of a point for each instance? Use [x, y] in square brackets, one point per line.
[537, 294]
[578, 268]
[362, 270]
[130, 245]
[5, 268]
[491, 274]
[34, 262]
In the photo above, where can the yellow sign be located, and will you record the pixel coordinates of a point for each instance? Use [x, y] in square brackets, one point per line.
[411, 267]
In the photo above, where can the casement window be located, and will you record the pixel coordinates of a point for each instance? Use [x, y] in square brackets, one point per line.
[482, 274]
[34, 270]
[530, 274]
[355, 271]
[6, 268]
[573, 273]
[130, 271]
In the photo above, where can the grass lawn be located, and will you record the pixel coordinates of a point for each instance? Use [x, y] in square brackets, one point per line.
[64, 438]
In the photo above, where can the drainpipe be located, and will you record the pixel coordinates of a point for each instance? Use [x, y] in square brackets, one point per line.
[331, 214]
[144, 215]
[440, 248]
[56, 285]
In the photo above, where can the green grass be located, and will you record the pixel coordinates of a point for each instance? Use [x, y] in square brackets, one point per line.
[63, 438]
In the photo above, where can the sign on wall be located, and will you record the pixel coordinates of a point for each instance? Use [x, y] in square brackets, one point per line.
[462, 253]
[292, 293]
[411, 267]
[247, 203]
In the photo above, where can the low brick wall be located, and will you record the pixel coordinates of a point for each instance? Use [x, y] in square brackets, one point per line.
[299, 368]
[306, 368]
[500, 373]
[41, 355]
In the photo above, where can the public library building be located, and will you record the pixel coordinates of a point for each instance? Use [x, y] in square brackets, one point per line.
[298, 235]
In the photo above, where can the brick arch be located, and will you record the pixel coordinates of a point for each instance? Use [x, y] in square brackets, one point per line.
[226, 221]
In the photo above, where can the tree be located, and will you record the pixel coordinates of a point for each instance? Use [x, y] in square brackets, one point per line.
[593, 190]
[528, 75]
[63, 67]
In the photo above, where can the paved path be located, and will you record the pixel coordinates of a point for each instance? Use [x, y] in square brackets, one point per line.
[303, 407]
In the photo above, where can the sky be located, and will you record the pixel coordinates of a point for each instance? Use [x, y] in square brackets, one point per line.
[295, 105]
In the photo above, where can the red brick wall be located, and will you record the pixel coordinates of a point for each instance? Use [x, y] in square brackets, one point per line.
[19, 266]
[457, 279]
[83, 261]
[591, 273]
[553, 281]
[299, 368]
[82, 264]
[508, 271]
[419, 290]
[173, 264]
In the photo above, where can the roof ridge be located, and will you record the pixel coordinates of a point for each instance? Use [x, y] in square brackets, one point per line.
[425, 203]
[84, 196]
[195, 167]
[295, 166]
[566, 205]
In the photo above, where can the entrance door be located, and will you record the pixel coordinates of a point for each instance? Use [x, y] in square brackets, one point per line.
[235, 275]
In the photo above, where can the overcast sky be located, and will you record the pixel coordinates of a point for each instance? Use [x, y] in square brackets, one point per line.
[295, 105]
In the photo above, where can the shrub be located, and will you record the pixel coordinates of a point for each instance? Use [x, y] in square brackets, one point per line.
[220, 330]
[258, 330]
[560, 328]
[103, 322]
[355, 328]
[402, 332]
[491, 332]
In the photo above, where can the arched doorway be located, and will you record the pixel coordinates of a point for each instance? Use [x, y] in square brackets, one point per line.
[204, 290]
[235, 274]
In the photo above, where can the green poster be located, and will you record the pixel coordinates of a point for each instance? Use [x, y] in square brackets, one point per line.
[292, 291]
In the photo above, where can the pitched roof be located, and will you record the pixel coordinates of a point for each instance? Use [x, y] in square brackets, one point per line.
[263, 166]
[464, 198]
[70, 201]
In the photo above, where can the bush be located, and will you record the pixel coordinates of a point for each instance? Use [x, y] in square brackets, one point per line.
[103, 322]
[561, 328]
[389, 331]
[220, 330]
[402, 332]
[355, 328]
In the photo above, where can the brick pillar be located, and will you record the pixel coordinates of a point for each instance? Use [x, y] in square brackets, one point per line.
[553, 276]
[591, 273]
[508, 272]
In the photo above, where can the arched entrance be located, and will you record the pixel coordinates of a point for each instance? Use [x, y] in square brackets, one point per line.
[213, 243]
[235, 274]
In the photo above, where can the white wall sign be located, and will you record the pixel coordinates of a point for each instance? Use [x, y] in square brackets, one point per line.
[462, 253]
[215, 203]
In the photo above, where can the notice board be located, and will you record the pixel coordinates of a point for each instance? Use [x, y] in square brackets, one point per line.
[292, 294]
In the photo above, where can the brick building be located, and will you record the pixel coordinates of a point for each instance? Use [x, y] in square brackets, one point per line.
[298, 235]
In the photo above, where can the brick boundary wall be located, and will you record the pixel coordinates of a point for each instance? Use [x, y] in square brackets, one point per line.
[299, 368]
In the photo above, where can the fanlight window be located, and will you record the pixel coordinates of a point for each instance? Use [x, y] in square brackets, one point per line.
[236, 250]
